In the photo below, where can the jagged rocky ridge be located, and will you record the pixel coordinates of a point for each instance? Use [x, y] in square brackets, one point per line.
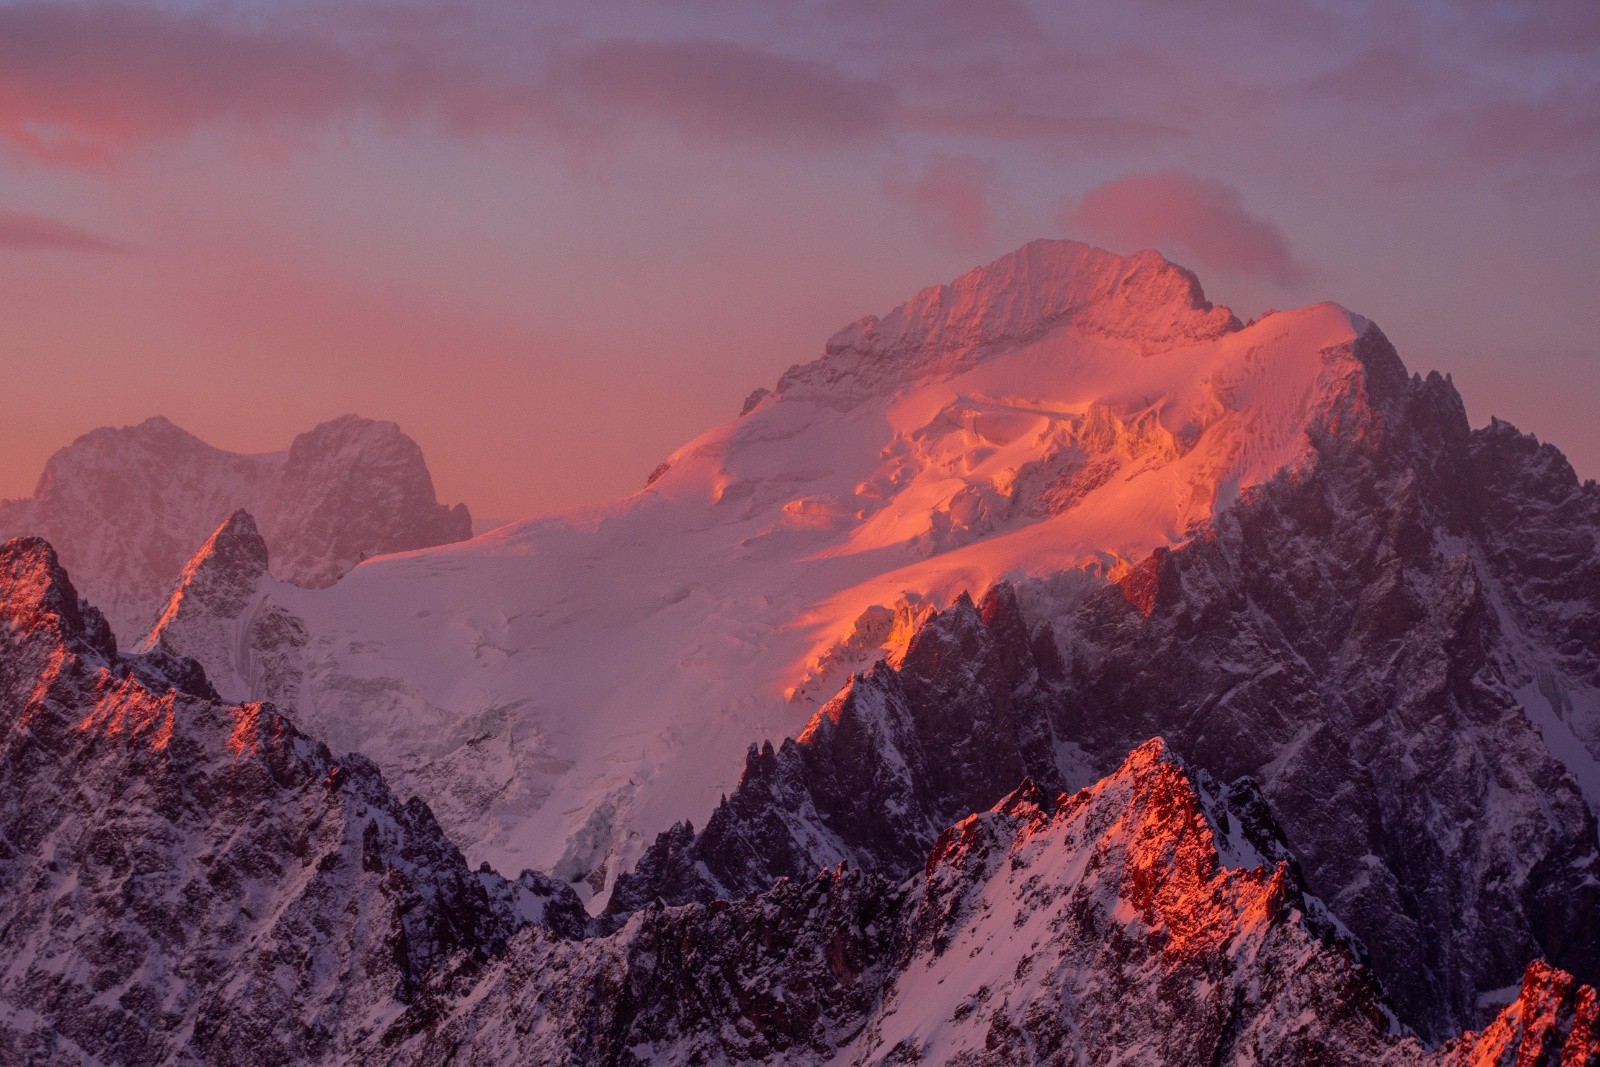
[127, 507]
[187, 881]
[1134, 921]
[183, 880]
[1367, 636]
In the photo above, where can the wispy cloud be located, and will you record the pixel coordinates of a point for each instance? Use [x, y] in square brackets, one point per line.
[82, 84]
[951, 195]
[1189, 217]
[19, 231]
[709, 87]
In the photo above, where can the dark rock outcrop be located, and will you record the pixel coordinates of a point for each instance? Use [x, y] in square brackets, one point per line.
[182, 879]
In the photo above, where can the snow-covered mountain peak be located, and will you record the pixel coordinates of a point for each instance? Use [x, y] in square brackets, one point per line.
[1142, 299]
[1066, 411]
[126, 507]
[109, 466]
[353, 488]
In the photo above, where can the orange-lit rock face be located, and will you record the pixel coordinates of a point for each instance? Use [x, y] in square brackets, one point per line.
[1142, 584]
[1553, 1022]
[1125, 915]
[129, 711]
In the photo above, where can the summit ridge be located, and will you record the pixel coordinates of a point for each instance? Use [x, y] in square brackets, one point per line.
[1045, 284]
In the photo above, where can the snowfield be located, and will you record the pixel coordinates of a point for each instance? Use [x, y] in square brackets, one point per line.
[560, 690]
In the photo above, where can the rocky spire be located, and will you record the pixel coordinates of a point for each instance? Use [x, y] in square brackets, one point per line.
[218, 581]
[36, 596]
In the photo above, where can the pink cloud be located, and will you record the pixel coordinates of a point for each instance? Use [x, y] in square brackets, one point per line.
[79, 84]
[951, 196]
[1189, 217]
[1016, 124]
[20, 231]
[82, 84]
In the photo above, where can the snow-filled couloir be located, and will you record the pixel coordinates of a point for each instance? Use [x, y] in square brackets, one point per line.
[561, 689]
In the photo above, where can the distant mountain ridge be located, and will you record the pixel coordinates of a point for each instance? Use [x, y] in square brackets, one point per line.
[127, 507]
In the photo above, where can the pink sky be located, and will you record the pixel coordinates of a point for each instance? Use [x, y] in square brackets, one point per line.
[554, 241]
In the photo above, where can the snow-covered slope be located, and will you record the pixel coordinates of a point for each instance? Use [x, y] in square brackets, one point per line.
[562, 689]
[126, 507]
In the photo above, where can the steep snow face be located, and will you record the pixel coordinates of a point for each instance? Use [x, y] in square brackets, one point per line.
[562, 689]
[127, 507]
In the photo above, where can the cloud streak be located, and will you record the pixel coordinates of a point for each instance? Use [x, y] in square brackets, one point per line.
[1189, 217]
[84, 84]
[23, 232]
[708, 87]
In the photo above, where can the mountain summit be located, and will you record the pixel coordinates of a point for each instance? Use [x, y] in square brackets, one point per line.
[1019, 297]
[127, 507]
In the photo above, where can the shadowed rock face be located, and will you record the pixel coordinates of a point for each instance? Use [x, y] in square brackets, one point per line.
[223, 615]
[186, 879]
[873, 778]
[127, 508]
[349, 489]
[1367, 637]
